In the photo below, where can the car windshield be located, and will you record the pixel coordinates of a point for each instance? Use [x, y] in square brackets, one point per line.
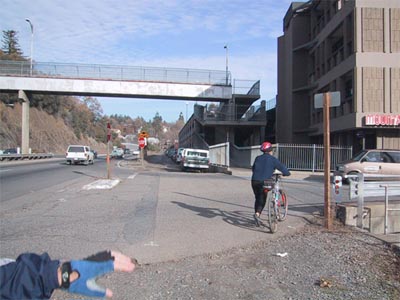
[76, 149]
[195, 153]
[358, 156]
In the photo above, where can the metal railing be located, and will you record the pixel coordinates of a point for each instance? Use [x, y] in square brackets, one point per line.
[310, 157]
[9, 157]
[234, 112]
[359, 189]
[113, 72]
[389, 188]
[294, 156]
[246, 87]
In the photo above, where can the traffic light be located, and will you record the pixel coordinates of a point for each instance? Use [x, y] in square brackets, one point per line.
[108, 131]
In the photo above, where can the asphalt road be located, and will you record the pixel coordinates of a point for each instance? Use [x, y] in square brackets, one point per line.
[19, 178]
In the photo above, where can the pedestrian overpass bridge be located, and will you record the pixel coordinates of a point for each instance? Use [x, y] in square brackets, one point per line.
[115, 81]
[26, 79]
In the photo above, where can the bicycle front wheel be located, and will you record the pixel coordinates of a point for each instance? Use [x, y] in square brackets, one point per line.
[282, 206]
[272, 217]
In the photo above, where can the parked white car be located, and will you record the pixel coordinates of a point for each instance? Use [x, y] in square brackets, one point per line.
[117, 153]
[79, 154]
[195, 159]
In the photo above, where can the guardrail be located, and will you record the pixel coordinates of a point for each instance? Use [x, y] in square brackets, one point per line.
[359, 189]
[8, 157]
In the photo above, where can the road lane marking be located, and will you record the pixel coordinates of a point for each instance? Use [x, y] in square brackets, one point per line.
[132, 176]
[152, 244]
[101, 184]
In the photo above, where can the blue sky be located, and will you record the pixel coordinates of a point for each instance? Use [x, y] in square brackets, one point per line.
[165, 33]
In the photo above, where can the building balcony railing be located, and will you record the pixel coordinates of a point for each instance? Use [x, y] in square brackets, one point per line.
[236, 113]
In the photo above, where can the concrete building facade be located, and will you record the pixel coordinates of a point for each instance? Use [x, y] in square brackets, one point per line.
[350, 46]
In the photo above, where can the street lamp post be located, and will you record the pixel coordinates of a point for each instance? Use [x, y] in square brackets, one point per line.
[227, 76]
[30, 23]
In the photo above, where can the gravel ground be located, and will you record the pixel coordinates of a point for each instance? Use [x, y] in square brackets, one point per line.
[340, 264]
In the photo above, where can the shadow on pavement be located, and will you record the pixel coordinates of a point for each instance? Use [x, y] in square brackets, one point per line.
[242, 219]
[307, 208]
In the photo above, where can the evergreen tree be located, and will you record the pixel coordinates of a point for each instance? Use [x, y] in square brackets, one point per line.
[10, 44]
[157, 124]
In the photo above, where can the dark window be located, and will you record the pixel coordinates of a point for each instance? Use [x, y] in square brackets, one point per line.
[394, 157]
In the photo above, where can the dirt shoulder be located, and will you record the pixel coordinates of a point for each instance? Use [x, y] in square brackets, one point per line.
[312, 263]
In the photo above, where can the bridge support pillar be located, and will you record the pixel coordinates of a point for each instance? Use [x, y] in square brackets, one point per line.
[25, 122]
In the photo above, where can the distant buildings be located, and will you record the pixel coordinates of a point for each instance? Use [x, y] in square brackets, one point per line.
[351, 46]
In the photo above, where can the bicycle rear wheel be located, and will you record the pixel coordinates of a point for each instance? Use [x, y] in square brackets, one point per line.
[282, 206]
[272, 217]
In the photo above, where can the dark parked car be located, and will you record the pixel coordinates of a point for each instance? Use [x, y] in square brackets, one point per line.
[94, 153]
[10, 151]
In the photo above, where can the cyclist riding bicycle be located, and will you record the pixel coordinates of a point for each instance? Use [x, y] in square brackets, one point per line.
[263, 169]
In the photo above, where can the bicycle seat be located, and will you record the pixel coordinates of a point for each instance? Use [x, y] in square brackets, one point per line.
[277, 172]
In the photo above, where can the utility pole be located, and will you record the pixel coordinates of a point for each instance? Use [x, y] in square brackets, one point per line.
[326, 101]
[327, 161]
[227, 72]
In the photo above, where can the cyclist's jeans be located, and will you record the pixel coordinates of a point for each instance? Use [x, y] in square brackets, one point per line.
[260, 196]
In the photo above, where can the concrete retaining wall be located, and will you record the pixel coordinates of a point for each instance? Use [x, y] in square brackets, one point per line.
[374, 216]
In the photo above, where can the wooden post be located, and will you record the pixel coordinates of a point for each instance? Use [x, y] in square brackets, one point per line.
[108, 149]
[108, 160]
[327, 162]
[142, 155]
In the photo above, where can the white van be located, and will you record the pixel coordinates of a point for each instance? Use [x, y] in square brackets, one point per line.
[374, 164]
[195, 159]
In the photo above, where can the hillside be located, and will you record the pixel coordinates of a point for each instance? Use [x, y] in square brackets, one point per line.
[57, 121]
[47, 133]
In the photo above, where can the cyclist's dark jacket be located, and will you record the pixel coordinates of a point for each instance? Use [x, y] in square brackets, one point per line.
[31, 276]
[265, 165]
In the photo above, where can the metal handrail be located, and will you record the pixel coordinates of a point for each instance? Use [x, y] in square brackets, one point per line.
[114, 72]
[387, 209]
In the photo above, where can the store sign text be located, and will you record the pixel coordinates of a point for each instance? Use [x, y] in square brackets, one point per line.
[388, 120]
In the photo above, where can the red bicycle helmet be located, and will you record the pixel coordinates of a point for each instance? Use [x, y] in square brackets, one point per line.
[266, 147]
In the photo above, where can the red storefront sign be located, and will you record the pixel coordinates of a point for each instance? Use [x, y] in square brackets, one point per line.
[382, 120]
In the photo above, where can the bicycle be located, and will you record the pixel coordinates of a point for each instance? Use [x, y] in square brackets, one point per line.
[276, 200]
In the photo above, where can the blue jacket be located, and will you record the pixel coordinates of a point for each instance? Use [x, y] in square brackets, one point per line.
[265, 165]
[31, 276]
